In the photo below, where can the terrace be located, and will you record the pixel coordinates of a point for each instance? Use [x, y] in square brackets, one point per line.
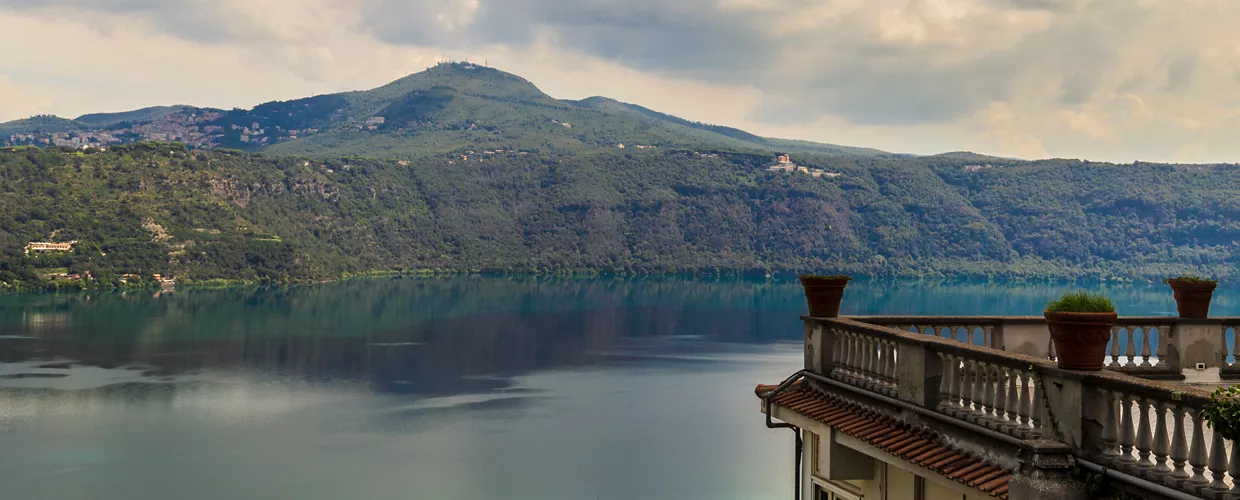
[977, 407]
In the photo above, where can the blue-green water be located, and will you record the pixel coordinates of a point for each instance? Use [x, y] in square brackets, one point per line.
[466, 388]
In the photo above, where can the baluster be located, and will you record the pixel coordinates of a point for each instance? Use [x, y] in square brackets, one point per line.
[987, 399]
[843, 344]
[1050, 349]
[1145, 442]
[1161, 443]
[835, 352]
[945, 396]
[1218, 462]
[1146, 344]
[857, 353]
[1114, 347]
[871, 365]
[988, 336]
[1127, 436]
[1035, 407]
[971, 382]
[1012, 404]
[1197, 454]
[1026, 401]
[893, 353]
[1110, 427]
[1000, 401]
[884, 354]
[883, 351]
[1233, 469]
[1179, 448]
[1131, 351]
[851, 352]
[953, 384]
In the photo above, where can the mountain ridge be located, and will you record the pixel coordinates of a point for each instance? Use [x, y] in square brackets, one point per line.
[447, 108]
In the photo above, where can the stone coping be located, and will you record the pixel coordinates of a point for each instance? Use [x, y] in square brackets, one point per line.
[1029, 320]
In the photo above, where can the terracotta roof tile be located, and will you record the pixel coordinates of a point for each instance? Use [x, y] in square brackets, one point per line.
[918, 446]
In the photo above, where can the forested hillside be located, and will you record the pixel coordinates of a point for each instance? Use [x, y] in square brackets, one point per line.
[161, 208]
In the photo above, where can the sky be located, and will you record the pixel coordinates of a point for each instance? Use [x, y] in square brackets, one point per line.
[1109, 80]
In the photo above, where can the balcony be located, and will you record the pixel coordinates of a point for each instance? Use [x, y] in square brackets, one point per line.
[987, 390]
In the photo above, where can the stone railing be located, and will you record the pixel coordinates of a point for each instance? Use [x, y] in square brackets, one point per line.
[1155, 431]
[1151, 431]
[1139, 345]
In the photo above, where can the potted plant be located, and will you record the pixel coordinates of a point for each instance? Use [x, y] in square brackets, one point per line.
[1192, 295]
[1222, 413]
[823, 293]
[1080, 325]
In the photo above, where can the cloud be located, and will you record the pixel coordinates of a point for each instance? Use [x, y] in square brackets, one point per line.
[1112, 79]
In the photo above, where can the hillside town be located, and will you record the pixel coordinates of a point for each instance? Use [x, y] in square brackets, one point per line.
[188, 126]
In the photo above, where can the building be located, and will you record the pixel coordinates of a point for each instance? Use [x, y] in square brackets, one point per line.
[783, 163]
[43, 246]
[938, 408]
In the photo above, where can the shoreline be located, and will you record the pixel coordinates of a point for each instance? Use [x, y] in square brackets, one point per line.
[83, 286]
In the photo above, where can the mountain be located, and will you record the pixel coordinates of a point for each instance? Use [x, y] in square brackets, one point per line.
[41, 125]
[449, 108]
[201, 215]
[104, 120]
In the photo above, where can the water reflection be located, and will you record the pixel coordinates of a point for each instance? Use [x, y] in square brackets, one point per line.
[458, 388]
[465, 335]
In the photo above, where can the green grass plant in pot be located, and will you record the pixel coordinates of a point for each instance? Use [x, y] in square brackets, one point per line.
[823, 294]
[1222, 414]
[1192, 295]
[1080, 324]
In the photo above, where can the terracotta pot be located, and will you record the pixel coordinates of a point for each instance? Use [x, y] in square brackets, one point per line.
[1192, 299]
[823, 296]
[1080, 338]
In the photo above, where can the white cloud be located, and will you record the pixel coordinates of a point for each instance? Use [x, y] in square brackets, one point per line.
[1103, 79]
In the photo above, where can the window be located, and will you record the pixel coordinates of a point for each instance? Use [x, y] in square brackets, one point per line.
[832, 492]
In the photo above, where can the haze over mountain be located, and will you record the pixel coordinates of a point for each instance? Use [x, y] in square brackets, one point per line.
[449, 107]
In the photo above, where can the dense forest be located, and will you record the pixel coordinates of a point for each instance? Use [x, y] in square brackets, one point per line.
[198, 215]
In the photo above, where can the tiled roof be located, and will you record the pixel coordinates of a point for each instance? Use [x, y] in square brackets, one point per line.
[919, 446]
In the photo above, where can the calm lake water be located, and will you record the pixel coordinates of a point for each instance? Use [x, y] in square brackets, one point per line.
[466, 388]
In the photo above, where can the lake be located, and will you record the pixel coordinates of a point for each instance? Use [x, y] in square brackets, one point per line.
[465, 388]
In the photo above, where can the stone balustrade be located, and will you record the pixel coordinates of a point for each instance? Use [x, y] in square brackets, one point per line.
[1155, 431]
[1152, 347]
[1147, 429]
